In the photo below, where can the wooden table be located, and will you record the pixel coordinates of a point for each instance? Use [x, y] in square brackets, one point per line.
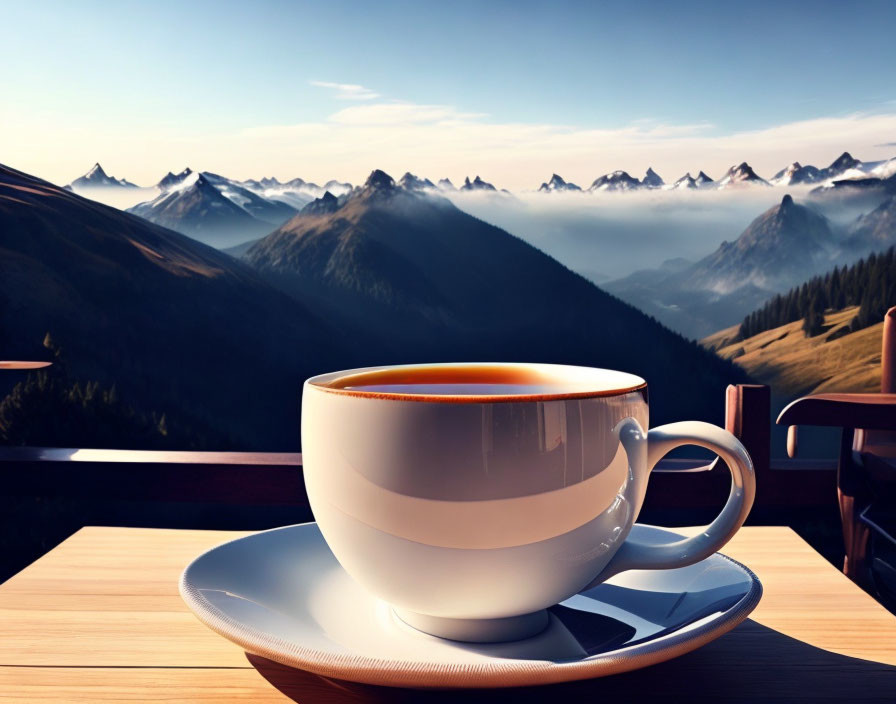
[100, 619]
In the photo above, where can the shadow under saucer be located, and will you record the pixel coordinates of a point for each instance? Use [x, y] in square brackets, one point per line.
[751, 663]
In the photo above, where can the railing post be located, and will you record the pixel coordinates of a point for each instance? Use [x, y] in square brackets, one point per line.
[888, 354]
[748, 417]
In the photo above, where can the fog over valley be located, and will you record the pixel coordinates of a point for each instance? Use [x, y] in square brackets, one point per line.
[606, 236]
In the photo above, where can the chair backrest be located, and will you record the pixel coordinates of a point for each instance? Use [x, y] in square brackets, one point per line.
[888, 354]
[864, 439]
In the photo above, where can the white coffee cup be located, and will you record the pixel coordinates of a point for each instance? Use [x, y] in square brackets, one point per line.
[471, 497]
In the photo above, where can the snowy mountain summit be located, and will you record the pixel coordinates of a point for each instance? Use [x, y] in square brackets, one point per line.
[686, 181]
[616, 181]
[557, 184]
[97, 178]
[741, 175]
[170, 179]
[796, 173]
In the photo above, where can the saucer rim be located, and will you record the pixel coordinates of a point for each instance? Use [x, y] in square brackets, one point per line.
[488, 675]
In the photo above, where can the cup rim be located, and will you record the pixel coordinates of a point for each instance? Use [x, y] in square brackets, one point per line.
[615, 383]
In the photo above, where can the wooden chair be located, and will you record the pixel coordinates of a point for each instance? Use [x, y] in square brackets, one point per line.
[866, 475]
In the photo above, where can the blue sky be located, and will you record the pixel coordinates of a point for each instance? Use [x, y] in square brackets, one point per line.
[96, 80]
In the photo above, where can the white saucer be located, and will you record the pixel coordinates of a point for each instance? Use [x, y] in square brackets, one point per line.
[282, 595]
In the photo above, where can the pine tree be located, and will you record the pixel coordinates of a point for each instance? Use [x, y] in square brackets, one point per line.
[813, 322]
[870, 284]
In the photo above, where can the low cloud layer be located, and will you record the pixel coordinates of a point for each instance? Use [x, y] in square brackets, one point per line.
[606, 236]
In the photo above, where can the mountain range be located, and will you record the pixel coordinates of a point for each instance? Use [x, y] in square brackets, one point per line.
[845, 168]
[213, 209]
[178, 327]
[209, 207]
[97, 178]
[477, 184]
[690, 182]
[229, 213]
[384, 274]
[299, 193]
[556, 183]
[784, 246]
[404, 271]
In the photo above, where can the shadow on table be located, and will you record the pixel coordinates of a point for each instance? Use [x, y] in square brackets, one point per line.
[778, 668]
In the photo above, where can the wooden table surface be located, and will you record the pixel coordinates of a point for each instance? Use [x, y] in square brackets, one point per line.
[99, 619]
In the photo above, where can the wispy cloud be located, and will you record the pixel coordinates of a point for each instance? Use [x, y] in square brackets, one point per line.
[401, 114]
[347, 91]
[886, 144]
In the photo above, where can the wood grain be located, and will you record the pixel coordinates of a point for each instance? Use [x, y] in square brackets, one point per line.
[99, 619]
[97, 684]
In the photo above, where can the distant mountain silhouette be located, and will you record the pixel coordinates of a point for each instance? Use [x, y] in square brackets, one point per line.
[686, 181]
[796, 174]
[171, 179]
[785, 245]
[213, 209]
[412, 278]
[842, 163]
[412, 182]
[477, 184]
[327, 203]
[741, 175]
[616, 181]
[176, 326]
[97, 178]
[296, 193]
[557, 184]
[876, 230]
[652, 179]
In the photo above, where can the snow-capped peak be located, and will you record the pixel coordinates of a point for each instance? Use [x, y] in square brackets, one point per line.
[615, 181]
[96, 177]
[171, 179]
[843, 162]
[742, 174]
[686, 181]
[557, 184]
[96, 172]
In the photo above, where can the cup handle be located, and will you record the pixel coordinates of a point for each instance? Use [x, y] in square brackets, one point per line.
[634, 555]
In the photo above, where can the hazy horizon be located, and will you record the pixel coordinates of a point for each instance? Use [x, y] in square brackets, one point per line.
[512, 92]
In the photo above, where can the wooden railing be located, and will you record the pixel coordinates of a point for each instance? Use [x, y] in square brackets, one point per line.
[275, 479]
